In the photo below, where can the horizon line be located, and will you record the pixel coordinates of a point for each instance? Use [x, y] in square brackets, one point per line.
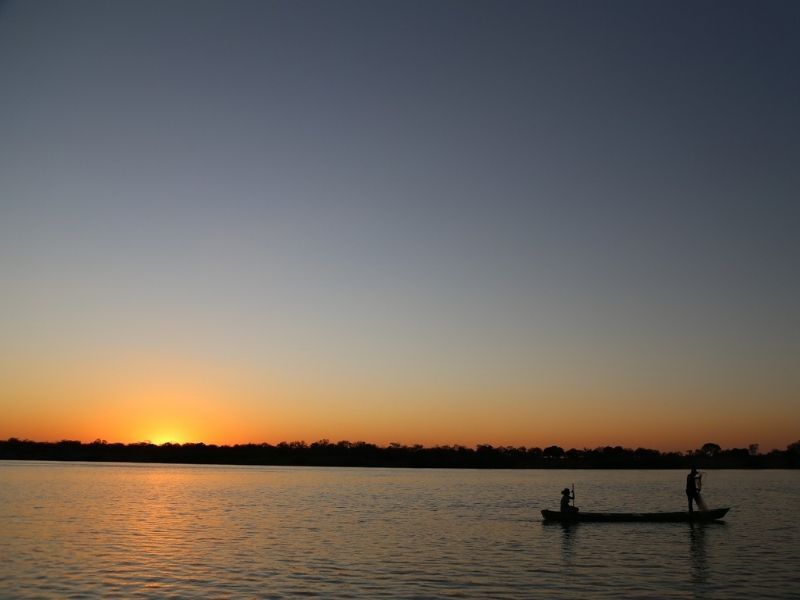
[752, 448]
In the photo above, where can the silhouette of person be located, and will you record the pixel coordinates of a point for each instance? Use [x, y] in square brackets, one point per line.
[692, 493]
[565, 498]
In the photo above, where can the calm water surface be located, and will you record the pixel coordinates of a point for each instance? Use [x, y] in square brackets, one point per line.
[112, 530]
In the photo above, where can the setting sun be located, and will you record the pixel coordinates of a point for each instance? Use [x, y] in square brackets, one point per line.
[167, 437]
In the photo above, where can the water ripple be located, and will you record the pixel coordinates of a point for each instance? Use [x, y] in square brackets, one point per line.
[158, 531]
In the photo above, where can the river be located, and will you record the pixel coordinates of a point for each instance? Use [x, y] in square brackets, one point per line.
[196, 531]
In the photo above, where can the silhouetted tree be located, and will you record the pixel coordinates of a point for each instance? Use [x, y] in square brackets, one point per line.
[345, 453]
[710, 449]
[553, 452]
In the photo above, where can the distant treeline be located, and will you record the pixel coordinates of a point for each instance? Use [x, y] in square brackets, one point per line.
[363, 454]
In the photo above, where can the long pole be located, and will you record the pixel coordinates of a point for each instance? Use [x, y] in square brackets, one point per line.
[573, 494]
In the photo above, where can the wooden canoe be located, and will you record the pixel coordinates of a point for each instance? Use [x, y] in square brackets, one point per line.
[697, 516]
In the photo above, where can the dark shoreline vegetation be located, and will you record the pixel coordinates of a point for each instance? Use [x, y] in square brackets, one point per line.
[362, 454]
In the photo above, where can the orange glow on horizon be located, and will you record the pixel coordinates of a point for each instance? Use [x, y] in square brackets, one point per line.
[162, 400]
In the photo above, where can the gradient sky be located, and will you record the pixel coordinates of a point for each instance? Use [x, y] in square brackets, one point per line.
[524, 223]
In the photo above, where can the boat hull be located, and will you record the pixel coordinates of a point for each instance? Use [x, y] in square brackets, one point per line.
[698, 516]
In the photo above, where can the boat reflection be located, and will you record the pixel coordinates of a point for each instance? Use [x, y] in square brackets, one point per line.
[568, 532]
[698, 557]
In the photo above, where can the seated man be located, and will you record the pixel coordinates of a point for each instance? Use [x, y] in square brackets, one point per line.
[565, 498]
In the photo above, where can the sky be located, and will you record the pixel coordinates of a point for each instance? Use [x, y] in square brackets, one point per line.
[450, 222]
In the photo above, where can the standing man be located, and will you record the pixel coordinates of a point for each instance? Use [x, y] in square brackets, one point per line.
[691, 490]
